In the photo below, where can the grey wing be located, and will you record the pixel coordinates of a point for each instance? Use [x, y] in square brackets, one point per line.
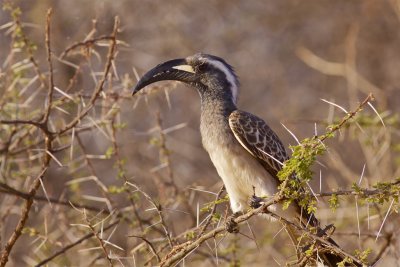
[258, 139]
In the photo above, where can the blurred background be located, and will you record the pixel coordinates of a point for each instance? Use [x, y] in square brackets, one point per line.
[288, 54]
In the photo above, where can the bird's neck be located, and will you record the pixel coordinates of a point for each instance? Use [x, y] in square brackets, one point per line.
[216, 103]
[214, 122]
[213, 110]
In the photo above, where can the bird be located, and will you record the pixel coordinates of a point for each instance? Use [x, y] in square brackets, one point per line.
[245, 151]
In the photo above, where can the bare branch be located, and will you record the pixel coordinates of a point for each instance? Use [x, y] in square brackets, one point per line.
[72, 245]
[49, 99]
[99, 87]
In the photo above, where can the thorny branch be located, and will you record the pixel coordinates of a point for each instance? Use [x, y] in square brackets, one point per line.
[43, 125]
[86, 44]
[191, 245]
[349, 116]
[99, 239]
[6, 189]
[159, 211]
[214, 208]
[164, 155]
[153, 250]
[72, 245]
[315, 237]
[36, 183]
[49, 99]
[99, 87]
[362, 192]
[25, 212]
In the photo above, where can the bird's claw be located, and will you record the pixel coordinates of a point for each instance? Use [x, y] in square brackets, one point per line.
[230, 225]
[255, 201]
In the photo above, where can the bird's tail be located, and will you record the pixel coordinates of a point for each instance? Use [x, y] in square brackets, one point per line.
[325, 256]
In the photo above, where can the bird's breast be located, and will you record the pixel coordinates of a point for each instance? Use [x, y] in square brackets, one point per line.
[241, 173]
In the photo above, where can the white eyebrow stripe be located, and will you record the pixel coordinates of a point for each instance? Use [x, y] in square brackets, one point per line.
[229, 76]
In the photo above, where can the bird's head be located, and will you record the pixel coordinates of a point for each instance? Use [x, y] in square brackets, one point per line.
[210, 75]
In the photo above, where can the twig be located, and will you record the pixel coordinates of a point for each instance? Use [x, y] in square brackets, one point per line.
[121, 170]
[100, 240]
[326, 243]
[349, 116]
[6, 189]
[31, 122]
[158, 208]
[49, 99]
[164, 155]
[362, 192]
[150, 245]
[99, 87]
[389, 239]
[43, 125]
[86, 43]
[204, 228]
[68, 247]
[180, 254]
[165, 158]
[24, 217]
[384, 219]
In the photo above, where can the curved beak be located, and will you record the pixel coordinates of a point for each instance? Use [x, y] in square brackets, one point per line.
[176, 70]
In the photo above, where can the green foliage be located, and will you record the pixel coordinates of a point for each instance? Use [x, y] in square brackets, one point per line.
[113, 189]
[384, 192]
[208, 206]
[134, 196]
[371, 120]
[286, 203]
[344, 262]
[109, 152]
[303, 157]
[216, 217]
[30, 231]
[298, 168]
[74, 187]
[363, 255]
[15, 12]
[190, 235]
[120, 126]
[154, 141]
[235, 263]
[310, 251]
[20, 41]
[119, 165]
[334, 202]
[356, 188]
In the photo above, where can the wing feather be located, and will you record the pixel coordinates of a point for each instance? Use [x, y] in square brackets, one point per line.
[259, 140]
[263, 143]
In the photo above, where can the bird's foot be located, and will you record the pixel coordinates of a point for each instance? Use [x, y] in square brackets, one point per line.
[255, 201]
[230, 225]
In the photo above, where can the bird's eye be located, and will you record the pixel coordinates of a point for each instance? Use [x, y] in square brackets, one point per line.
[202, 67]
